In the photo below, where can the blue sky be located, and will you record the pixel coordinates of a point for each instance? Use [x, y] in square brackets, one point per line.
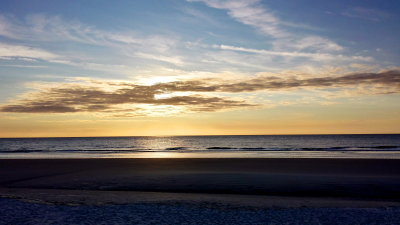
[45, 44]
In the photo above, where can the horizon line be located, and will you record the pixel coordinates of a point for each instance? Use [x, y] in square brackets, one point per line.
[204, 135]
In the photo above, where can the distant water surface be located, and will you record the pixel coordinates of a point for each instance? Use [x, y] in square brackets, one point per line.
[360, 146]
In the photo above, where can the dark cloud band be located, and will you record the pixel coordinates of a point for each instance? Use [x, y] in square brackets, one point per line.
[68, 98]
[389, 78]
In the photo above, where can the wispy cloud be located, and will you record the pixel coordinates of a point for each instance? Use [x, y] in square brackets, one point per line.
[128, 52]
[309, 44]
[366, 14]
[25, 52]
[125, 97]
[255, 14]
[26, 66]
[314, 56]
[54, 29]
[12, 52]
[249, 12]
[176, 60]
[199, 16]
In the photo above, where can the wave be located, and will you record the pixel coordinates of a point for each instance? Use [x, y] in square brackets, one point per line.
[75, 151]
[176, 148]
[220, 148]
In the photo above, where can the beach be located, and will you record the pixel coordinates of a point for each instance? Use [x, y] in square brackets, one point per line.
[205, 184]
[199, 112]
[355, 178]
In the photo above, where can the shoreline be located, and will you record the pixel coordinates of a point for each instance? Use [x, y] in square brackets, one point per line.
[367, 154]
[201, 135]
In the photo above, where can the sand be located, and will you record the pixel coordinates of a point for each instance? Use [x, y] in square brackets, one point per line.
[17, 212]
[200, 191]
[372, 181]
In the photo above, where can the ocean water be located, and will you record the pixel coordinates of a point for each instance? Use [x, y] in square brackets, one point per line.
[348, 146]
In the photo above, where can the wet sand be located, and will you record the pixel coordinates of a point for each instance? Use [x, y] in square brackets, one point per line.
[18, 212]
[302, 182]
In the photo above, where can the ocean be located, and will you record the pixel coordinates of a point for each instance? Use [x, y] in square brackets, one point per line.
[235, 146]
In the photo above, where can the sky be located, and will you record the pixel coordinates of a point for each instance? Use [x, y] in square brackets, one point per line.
[198, 67]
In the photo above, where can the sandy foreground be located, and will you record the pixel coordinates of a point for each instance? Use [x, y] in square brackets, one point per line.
[236, 182]
[199, 191]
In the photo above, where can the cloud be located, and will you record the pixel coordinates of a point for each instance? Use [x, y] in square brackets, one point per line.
[128, 52]
[201, 17]
[249, 12]
[48, 29]
[41, 27]
[255, 14]
[11, 52]
[25, 66]
[310, 44]
[390, 78]
[366, 14]
[67, 98]
[125, 97]
[314, 56]
[6, 29]
[25, 52]
[176, 60]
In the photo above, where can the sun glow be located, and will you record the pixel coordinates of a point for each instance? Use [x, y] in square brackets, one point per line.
[156, 80]
[161, 110]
